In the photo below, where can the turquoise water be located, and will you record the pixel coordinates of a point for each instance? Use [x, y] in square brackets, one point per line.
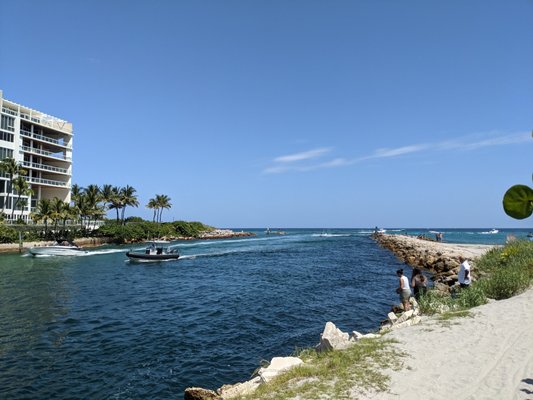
[467, 235]
[99, 327]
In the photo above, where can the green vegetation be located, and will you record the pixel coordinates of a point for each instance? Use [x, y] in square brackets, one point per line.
[135, 231]
[509, 270]
[158, 204]
[334, 374]
[88, 207]
[504, 272]
[12, 170]
[518, 201]
[8, 234]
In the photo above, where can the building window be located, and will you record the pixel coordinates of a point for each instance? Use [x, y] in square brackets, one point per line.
[6, 136]
[7, 123]
[5, 153]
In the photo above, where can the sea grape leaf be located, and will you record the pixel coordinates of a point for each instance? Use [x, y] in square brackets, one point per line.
[518, 201]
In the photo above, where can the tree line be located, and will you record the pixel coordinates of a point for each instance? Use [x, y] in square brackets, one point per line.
[87, 206]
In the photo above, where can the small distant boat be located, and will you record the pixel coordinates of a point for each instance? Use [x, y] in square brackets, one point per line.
[62, 247]
[493, 231]
[157, 250]
[270, 232]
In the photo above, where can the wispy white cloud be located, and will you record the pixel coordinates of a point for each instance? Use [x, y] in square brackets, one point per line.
[276, 169]
[468, 143]
[307, 160]
[398, 151]
[306, 155]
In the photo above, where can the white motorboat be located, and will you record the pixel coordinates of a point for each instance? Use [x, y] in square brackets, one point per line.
[493, 231]
[60, 248]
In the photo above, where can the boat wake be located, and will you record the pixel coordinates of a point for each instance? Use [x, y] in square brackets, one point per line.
[330, 234]
[86, 253]
[99, 252]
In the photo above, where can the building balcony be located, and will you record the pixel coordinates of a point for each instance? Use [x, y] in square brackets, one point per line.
[47, 182]
[47, 120]
[44, 138]
[9, 111]
[44, 167]
[57, 156]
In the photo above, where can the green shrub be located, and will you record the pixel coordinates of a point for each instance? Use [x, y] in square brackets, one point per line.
[506, 282]
[8, 234]
[509, 270]
[435, 301]
[472, 297]
[190, 229]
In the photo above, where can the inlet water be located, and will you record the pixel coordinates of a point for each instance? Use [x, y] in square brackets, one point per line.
[99, 327]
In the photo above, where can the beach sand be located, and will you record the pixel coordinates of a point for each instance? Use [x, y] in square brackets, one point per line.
[488, 355]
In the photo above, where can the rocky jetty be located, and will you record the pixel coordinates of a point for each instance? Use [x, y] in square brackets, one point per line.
[441, 259]
[224, 234]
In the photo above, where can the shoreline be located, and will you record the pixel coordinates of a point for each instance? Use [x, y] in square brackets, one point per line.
[438, 258]
[14, 248]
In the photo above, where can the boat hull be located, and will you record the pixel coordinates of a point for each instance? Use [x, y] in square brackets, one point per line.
[57, 251]
[140, 257]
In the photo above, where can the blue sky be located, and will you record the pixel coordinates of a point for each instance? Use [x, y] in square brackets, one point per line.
[287, 113]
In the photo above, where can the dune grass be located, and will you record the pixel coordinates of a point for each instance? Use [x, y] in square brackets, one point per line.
[335, 374]
[505, 272]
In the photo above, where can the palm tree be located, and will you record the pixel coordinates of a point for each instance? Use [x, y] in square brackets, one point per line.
[12, 169]
[152, 204]
[22, 187]
[163, 201]
[107, 194]
[115, 201]
[75, 192]
[93, 196]
[128, 198]
[57, 207]
[43, 212]
[83, 208]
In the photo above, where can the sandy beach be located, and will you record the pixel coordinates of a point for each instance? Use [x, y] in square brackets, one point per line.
[487, 355]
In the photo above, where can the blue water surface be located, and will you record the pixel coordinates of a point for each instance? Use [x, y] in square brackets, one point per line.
[99, 327]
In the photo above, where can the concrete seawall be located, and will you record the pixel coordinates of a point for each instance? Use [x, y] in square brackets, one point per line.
[441, 259]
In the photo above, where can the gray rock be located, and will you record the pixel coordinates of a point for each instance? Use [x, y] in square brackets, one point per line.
[333, 339]
[239, 389]
[277, 366]
[196, 393]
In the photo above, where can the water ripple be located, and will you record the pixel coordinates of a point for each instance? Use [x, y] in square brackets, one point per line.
[100, 328]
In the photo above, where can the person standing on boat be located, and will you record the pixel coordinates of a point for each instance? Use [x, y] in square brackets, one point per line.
[404, 290]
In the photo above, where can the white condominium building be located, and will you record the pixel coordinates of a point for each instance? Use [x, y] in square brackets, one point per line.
[42, 145]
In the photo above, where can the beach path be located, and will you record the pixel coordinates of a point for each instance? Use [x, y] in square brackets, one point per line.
[487, 355]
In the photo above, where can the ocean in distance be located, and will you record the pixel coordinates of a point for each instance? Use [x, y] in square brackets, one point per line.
[99, 327]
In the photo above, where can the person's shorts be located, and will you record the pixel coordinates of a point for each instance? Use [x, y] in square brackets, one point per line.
[405, 294]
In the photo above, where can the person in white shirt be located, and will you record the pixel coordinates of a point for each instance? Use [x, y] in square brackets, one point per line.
[404, 290]
[464, 277]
